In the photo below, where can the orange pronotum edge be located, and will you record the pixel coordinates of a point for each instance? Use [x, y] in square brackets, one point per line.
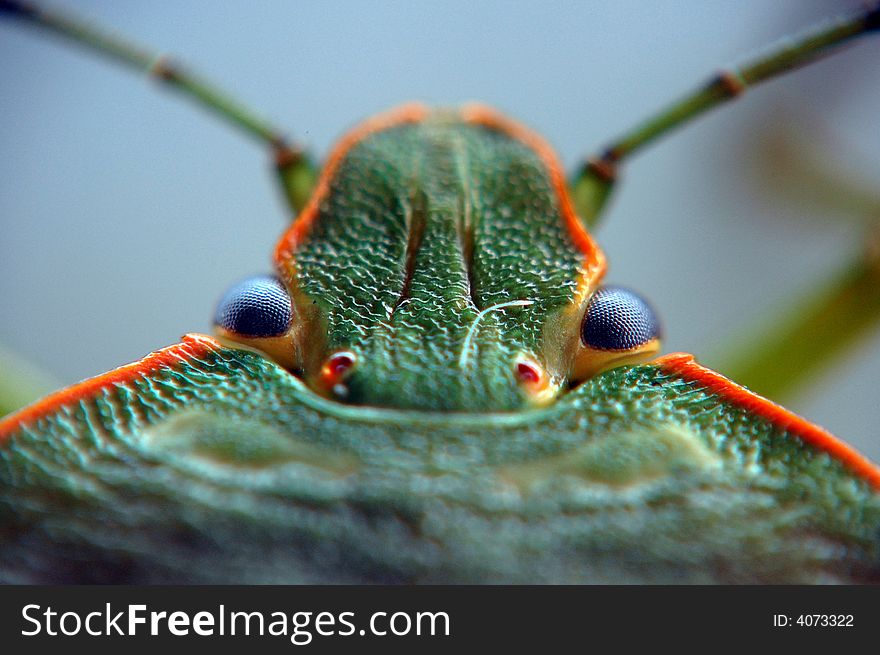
[594, 259]
[192, 345]
[684, 365]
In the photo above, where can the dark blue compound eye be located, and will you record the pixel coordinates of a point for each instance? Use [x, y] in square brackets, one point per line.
[256, 307]
[618, 319]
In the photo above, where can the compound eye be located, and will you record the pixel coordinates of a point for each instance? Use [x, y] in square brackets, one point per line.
[618, 319]
[619, 328]
[256, 307]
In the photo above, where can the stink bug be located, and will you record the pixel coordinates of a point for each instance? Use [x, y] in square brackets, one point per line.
[447, 374]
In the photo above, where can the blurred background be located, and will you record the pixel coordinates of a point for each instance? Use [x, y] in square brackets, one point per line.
[126, 212]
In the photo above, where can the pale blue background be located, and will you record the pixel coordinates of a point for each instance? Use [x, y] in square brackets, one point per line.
[125, 212]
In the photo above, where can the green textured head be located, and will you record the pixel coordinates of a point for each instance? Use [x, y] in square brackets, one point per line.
[439, 266]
